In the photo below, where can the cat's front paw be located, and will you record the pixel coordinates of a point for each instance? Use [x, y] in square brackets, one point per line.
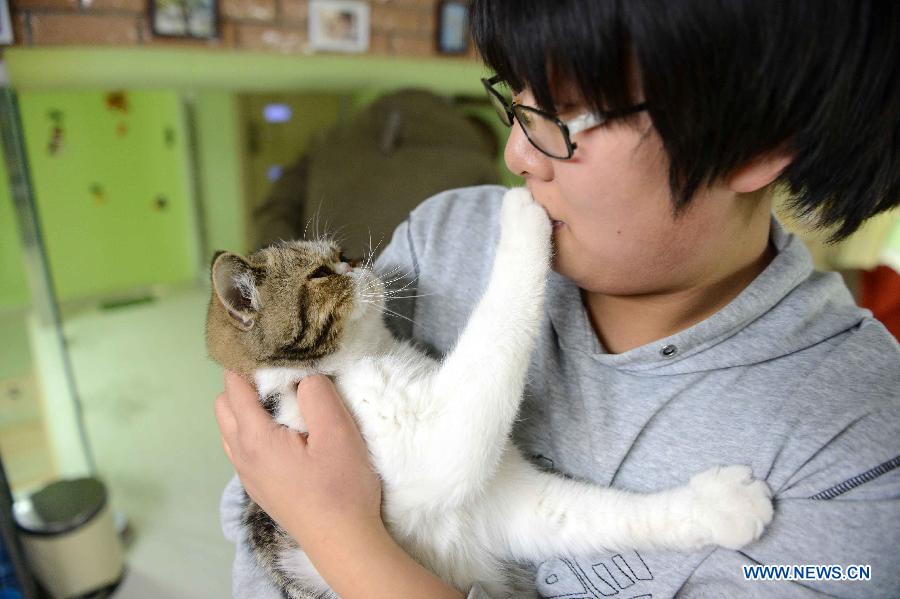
[729, 506]
[524, 224]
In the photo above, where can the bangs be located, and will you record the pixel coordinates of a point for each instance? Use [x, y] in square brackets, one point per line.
[556, 49]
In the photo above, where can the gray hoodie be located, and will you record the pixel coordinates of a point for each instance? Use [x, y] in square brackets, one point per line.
[790, 378]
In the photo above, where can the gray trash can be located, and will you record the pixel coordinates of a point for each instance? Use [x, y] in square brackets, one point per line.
[69, 537]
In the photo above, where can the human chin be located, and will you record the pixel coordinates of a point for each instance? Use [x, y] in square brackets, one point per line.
[585, 265]
[567, 259]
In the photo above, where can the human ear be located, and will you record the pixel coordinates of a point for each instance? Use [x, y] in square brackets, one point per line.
[759, 172]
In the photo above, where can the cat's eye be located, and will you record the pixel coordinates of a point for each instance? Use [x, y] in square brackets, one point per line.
[322, 271]
[343, 258]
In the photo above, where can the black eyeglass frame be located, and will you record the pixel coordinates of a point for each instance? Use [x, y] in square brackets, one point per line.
[589, 120]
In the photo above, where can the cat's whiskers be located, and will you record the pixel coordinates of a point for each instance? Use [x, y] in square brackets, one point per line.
[371, 259]
[404, 288]
[387, 286]
[390, 312]
[318, 214]
[404, 275]
[408, 296]
[329, 237]
[368, 259]
[390, 273]
[374, 284]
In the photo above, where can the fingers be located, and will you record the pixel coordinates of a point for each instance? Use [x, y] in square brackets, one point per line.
[243, 423]
[227, 424]
[227, 449]
[244, 403]
[224, 416]
[323, 409]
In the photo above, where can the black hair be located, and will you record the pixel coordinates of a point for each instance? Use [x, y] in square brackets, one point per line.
[725, 82]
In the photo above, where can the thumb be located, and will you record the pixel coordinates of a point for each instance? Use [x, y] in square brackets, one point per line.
[322, 408]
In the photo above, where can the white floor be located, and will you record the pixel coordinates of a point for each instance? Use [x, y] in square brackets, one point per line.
[148, 388]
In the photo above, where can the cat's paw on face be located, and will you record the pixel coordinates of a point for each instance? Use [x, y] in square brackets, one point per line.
[732, 506]
[524, 224]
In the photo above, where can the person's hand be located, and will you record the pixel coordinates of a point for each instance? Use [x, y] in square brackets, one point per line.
[317, 487]
[322, 490]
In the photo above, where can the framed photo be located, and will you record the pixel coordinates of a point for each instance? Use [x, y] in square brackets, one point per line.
[198, 19]
[6, 32]
[339, 25]
[453, 26]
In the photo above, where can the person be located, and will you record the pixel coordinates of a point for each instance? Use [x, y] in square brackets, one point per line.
[684, 327]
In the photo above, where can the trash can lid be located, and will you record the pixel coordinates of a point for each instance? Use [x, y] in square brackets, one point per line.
[60, 507]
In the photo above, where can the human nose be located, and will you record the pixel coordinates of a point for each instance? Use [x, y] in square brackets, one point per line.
[523, 159]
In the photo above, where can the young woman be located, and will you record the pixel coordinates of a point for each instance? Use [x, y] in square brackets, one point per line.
[684, 327]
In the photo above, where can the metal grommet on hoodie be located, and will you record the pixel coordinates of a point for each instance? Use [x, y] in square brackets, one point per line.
[668, 351]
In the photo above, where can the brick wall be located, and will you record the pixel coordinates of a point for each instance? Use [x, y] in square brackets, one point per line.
[398, 27]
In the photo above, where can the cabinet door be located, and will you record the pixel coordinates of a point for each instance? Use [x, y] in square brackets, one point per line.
[112, 185]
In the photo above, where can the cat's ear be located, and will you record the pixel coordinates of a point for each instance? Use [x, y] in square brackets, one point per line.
[235, 287]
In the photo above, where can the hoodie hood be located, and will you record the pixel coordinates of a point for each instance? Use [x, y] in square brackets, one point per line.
[786, 309]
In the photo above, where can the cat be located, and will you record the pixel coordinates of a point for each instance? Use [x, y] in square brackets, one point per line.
[457, 494]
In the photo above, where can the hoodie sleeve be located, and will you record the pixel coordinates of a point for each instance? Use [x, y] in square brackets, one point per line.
[247, 578]
[861, 527]
[836, 484]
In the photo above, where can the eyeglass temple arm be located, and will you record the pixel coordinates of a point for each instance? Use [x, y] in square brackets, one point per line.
[590, 119]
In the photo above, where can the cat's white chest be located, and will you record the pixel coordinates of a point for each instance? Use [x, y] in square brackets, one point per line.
[282, 382]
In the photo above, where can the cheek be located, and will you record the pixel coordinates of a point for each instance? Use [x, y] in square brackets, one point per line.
[619, 179]
[642, 251]
[620, 228]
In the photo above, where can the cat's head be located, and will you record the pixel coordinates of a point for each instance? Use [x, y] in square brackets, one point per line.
[288, 304]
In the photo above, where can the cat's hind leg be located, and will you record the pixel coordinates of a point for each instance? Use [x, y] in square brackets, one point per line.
[281, 558]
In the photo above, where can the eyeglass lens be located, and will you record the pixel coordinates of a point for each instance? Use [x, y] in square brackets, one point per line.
[500, 107]
[543, 132]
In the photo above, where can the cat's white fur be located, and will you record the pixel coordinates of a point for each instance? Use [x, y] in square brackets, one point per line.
[457, 494]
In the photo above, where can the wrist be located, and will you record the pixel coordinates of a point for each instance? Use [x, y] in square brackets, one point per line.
[364, 561]
[336, 531]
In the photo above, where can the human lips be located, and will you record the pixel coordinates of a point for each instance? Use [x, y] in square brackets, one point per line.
[555, 222]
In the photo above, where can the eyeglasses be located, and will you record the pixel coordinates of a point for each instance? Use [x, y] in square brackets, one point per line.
[546, 131]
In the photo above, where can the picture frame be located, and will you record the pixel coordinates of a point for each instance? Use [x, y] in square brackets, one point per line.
[184, 19]
[6, 31]
[339, 26]
[452, 33]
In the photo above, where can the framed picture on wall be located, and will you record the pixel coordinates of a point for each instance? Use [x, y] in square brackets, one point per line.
[198, 19]
[452, 26]
[339, 25]
[6, 33]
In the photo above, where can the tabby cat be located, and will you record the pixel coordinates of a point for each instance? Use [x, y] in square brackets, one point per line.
[457, 494]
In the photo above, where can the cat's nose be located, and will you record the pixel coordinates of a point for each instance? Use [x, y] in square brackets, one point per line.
[343, 268]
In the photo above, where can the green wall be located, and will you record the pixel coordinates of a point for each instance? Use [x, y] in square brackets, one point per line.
[15, 357]
[112, 188]
[145, 244]
[13, 287]
[219, 168]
